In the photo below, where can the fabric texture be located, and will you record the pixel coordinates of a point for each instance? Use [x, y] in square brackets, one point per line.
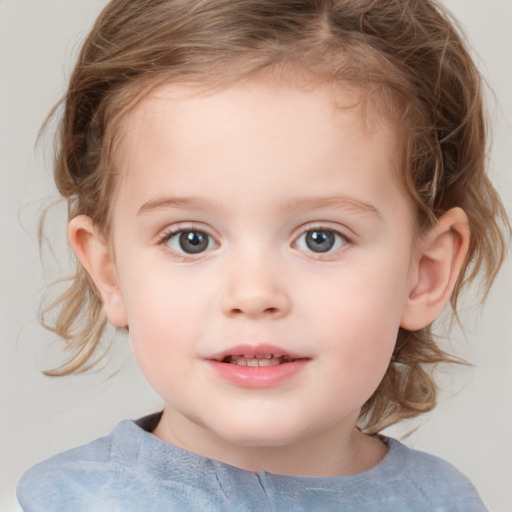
[132, 470]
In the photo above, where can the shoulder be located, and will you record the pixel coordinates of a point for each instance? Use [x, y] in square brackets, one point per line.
[432, 479]
[72, 478]
[127, 470]
[405, 480]
[88, 477]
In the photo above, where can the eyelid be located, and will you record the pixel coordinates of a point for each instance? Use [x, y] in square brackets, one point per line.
[186, 226]
[173, 230]
[323, 226]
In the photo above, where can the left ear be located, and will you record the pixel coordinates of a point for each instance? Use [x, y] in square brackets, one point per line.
[438, 262]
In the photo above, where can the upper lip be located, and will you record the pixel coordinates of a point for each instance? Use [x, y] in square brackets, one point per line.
[254, 350]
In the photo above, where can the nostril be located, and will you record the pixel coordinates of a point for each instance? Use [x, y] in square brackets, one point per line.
[272, 310]
[255, 303]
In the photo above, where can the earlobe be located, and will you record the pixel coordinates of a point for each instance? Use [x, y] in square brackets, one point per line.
[95, 255]
[438, 263]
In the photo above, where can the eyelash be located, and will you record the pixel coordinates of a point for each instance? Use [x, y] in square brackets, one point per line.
[330, 252]
[169, 234]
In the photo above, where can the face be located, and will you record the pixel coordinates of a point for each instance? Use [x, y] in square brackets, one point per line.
[263, 248]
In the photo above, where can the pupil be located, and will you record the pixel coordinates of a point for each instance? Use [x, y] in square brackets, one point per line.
[320, 241]
[193, 241]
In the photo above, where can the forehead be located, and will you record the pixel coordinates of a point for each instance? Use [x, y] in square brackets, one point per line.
[265, 99]
[177, 137]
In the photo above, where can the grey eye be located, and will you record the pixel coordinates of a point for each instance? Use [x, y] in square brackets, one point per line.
[190, 242]
[320, 240]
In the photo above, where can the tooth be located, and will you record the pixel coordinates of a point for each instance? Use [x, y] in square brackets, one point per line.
[268, 362]
[257, 360]
[264, 356]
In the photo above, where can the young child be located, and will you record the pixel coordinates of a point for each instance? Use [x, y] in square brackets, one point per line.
[275, 199]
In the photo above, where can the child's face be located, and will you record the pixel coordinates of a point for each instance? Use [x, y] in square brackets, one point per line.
[261, 220]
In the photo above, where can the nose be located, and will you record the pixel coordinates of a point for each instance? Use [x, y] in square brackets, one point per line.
[254, 289]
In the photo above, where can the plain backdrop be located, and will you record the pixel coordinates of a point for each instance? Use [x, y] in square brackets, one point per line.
[472, 426]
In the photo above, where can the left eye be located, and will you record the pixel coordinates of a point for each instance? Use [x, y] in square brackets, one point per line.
[190, 241]
[320, 241]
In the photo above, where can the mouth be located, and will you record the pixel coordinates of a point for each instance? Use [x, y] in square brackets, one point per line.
[257, 360]
[261, 366]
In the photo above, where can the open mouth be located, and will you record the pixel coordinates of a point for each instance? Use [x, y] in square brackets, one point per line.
[257, 360]
[262, 366]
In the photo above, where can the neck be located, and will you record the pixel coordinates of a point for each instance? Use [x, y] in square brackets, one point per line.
[339, 450]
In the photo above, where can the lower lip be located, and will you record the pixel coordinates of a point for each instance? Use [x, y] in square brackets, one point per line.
[258, 376]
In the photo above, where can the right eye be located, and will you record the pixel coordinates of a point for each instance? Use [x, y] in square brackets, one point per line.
[189, 241]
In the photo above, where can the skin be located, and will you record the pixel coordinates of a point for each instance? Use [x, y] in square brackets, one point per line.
[256, 167]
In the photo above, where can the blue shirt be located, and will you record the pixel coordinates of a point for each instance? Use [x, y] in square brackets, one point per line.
[132, 470]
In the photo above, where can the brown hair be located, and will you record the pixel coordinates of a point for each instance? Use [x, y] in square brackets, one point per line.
[406, 52]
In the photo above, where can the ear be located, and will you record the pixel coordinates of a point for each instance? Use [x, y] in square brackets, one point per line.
[436, 268]
[96, 257]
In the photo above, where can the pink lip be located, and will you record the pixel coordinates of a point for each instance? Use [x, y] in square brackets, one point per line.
[259, 376]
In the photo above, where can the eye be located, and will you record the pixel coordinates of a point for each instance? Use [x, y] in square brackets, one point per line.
[320, 240]
[190, 241]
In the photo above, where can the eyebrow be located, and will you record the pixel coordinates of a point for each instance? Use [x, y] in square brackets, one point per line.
[338, 202]
[292, 205]
[172, 202]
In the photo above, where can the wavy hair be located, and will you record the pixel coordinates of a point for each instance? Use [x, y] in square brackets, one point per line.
[407, 56]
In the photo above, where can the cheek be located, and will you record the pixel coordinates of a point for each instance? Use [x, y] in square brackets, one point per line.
[168, 315]
[359, 354]
[156, 313]
[365, 300]
[357, 321]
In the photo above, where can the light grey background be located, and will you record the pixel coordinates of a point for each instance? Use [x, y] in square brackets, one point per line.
[472, 427]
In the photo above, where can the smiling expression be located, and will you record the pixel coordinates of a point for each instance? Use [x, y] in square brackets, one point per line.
[263, 246]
